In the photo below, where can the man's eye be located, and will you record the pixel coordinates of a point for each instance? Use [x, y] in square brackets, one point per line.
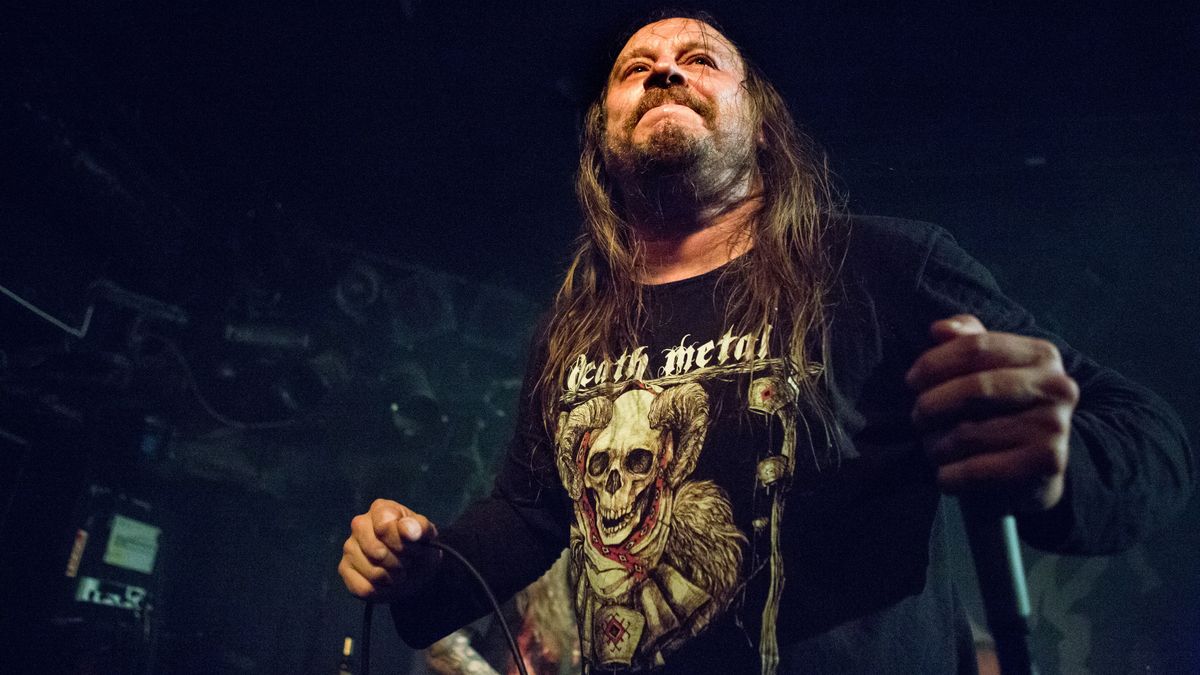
[702, 60]
[637, 68]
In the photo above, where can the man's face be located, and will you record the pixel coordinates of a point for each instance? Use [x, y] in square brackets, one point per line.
[675, 101]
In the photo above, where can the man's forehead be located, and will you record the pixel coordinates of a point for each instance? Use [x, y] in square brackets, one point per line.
[675, 32]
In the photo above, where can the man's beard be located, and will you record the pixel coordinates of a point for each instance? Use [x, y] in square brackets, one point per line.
[672, 170]
[670, 150]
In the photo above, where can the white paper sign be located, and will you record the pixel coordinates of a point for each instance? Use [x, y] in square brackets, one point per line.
[132, 545]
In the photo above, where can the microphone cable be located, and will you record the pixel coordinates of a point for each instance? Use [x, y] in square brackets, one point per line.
[365, 652]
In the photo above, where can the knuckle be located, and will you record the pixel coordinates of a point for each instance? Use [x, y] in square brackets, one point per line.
[360, 587]
[374, 556]
[354, 583]
[977, 345]
[1070, 389]
[1050, 422]
[1061, 387]
[1045, 351]
[377, 576]
[978, 391]
[360, 523]
[985, 388]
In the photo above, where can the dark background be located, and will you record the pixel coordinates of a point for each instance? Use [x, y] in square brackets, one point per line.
[313, 237]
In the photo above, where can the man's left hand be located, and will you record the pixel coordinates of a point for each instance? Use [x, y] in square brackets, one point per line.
[994, 411]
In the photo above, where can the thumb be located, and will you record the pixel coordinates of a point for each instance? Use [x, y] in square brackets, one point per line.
[416, 527]
[956, 326]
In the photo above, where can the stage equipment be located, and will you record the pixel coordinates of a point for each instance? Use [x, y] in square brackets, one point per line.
[111, 579]
[283, 338]
[145, 306]
[996, 551]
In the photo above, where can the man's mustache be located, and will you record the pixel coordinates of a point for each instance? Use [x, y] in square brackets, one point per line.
[678, 95]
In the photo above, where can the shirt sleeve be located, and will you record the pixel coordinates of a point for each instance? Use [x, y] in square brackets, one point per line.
[1130, 468]
[511, 536]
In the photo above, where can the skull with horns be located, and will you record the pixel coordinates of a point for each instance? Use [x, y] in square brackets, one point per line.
[618, 449]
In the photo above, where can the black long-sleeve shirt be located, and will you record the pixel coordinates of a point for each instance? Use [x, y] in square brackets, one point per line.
[866, 586]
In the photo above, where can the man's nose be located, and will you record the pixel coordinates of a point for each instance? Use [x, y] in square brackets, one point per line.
[666, 73]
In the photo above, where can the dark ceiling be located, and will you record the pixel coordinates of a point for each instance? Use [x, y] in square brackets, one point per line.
[445, 132]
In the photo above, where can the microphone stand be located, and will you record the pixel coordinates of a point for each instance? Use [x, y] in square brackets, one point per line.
[996, 551]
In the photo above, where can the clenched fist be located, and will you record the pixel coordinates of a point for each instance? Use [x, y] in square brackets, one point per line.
[386, 555]
[994, 411]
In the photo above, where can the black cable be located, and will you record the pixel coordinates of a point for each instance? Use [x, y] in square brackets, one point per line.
[512, 642]
[364, 646]
[194, 387]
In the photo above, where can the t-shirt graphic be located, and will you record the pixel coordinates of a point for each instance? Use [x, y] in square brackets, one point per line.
[656, 555]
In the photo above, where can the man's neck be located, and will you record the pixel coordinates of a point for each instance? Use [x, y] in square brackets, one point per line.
[683, 251]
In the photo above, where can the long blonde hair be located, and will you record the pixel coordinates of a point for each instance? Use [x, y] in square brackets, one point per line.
[599, 305]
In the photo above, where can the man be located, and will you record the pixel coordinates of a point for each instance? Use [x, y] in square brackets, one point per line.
[743, 409]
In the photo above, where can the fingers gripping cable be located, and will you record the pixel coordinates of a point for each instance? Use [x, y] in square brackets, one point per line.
[512, 642]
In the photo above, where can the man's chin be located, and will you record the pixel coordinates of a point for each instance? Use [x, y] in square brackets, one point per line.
[673, 150]
[668, 152]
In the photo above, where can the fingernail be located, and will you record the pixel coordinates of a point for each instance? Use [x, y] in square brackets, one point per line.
[411, 529]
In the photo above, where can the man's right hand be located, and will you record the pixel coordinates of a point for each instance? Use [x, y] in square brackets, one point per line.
[386, 555]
